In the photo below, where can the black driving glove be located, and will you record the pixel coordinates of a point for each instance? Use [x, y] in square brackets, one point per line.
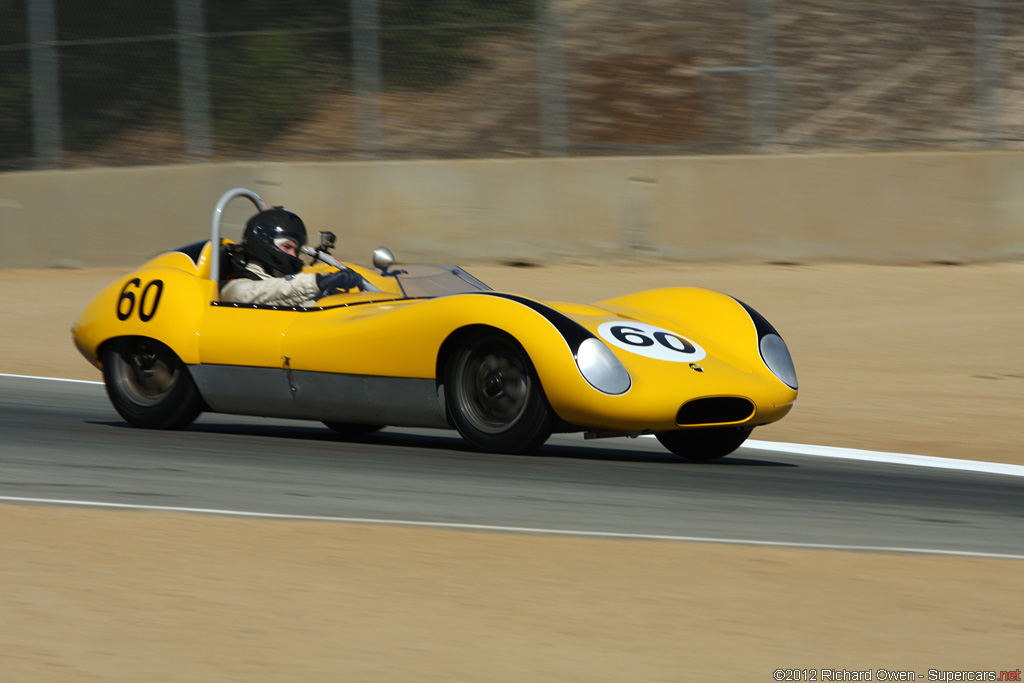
[332, 283]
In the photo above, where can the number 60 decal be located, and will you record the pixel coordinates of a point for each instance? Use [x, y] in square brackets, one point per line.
[653, 342]
[148, 299]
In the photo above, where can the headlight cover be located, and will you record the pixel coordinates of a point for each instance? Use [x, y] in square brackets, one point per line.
[773, 350]
[601, 368]
[776, 356]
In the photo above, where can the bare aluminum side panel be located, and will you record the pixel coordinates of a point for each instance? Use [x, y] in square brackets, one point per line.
[330, 397]
[244, 390]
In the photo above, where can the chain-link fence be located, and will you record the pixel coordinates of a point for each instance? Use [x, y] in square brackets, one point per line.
[116, 82]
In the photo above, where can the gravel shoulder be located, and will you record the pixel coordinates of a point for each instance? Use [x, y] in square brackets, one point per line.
[916, 359]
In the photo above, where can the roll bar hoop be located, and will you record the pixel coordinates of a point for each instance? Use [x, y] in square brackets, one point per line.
[215, 224]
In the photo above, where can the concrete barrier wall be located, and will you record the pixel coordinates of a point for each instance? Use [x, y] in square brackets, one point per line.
[857, 207]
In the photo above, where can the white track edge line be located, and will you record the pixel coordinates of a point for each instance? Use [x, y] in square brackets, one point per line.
[803, 449]
[892, 458]
[883, 457]
[52, 379]
[516, 529]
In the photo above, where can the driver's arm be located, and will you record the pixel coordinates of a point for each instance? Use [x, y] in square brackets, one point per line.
[295, 290]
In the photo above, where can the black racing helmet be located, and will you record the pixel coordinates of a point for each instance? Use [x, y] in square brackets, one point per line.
[265, 231]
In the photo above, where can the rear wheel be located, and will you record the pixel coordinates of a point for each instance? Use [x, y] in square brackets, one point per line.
[704, 444]
[494, 397]
[148, 384]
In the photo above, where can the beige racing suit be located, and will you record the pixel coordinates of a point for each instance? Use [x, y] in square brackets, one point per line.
[262, 288]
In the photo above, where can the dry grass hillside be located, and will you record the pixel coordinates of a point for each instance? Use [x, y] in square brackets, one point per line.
[646, 78]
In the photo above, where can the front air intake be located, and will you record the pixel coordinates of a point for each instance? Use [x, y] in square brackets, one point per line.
[716, 410]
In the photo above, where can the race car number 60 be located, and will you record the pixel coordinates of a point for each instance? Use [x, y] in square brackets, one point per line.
[653, 342]
[149, 299]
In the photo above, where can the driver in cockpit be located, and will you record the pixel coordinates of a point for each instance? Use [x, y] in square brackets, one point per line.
[265, 267]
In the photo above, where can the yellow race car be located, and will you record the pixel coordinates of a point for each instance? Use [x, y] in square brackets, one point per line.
[432, 346]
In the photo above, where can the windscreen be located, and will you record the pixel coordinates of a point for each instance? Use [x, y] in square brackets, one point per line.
[422, 280]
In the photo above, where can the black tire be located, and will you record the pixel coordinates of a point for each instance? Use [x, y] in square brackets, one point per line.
[704, 444]
[494, 397]
[352, 431]
[149, 385]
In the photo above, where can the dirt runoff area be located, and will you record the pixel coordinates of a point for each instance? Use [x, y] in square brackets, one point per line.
[924, 359]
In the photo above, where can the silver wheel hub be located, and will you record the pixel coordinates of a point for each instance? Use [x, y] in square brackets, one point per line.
[144, 377]
[493, 390]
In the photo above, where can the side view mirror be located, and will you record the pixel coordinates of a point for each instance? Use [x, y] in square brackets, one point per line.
[382, 258]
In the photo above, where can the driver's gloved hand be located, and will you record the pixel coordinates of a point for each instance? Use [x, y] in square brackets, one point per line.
[331, 283]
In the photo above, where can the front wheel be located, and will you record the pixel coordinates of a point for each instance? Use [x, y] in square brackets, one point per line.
[148, 384]
[494, 397]
[704, 444]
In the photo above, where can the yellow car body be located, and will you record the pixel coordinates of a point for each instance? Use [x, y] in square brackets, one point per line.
[433, 347]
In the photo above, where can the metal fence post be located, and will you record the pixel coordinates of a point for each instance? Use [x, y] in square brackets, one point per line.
[192, 80]
[762, 77]
[554, 125]
[367, 76]
[45, 69]
[988, 71]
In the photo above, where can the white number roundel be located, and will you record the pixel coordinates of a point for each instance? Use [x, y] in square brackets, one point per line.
[648, 340]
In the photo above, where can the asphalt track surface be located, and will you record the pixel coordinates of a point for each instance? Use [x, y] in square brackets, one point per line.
[63, 441]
